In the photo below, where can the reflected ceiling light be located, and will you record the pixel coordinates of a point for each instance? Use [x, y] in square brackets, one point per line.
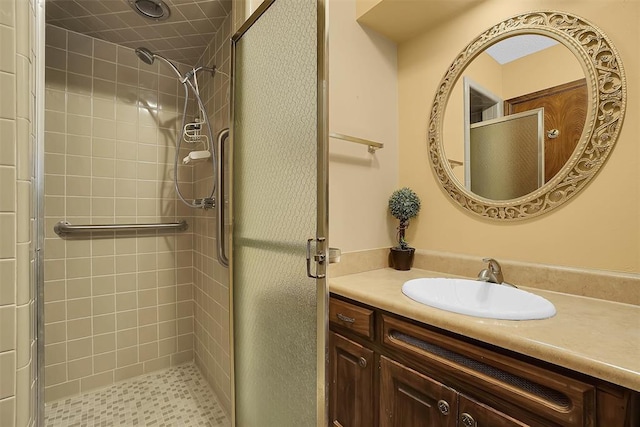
[156, 10]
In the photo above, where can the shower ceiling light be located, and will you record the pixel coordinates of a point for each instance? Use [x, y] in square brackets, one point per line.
[156, 10]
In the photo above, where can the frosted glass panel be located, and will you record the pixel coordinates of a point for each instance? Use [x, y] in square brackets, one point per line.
[506, 155]
[275, 208]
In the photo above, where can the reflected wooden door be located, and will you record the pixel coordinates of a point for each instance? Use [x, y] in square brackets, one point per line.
[565, 109]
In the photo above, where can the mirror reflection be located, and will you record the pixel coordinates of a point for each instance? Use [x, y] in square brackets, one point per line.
[515, 116]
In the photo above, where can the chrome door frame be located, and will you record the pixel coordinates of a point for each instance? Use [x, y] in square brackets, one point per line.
[38, 231]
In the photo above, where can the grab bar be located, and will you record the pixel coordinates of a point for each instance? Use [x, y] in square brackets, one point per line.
[373, 146]
[220, 238]
[63, 228]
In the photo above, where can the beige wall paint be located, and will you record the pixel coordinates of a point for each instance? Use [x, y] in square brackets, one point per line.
[238, 15]
[247, 8]
[18, 64]
[547, 68]
[362, 103]
[401, 19]
[600, 228]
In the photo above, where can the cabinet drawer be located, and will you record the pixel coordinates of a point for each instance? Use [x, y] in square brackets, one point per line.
[350, 316]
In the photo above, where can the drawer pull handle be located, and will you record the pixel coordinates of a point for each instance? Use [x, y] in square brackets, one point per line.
[467, 420]
[443, 406]
[345, 318]
[362, 362]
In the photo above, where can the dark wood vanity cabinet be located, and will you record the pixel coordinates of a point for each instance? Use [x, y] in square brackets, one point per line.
[351, 382]
[387, 371]
[408, 398]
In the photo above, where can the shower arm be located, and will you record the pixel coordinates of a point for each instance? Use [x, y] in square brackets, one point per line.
[147, 56]
[170, 64]
[192, 73]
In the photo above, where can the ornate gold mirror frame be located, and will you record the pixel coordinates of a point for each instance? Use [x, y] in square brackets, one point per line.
[607, 99]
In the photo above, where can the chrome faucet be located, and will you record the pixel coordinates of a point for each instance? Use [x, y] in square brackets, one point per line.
[493, 272]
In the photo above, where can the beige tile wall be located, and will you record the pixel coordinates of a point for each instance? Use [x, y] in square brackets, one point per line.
[114, 307]
[211, 280]
[17, 134]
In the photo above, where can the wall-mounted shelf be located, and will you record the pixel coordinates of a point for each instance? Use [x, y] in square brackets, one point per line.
[373, 146]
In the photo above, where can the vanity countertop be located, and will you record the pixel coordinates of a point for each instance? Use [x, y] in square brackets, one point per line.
[595, 337]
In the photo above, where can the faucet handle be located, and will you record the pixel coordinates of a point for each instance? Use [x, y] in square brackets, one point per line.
[493, 264]
[495, 268]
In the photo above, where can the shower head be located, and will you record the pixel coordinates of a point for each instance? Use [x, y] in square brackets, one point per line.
[148, 57]
[145, 55]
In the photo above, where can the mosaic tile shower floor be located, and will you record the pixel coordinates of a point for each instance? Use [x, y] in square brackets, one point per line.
[178, 396]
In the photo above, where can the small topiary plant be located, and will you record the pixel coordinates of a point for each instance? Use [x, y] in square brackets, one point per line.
[404, 204]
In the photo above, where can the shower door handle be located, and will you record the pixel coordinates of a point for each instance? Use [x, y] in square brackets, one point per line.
[220, 237]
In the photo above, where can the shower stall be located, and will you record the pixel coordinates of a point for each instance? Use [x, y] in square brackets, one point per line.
[138, 305]
[134, 301]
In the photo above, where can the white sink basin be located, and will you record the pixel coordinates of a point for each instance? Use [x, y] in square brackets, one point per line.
[480, 299]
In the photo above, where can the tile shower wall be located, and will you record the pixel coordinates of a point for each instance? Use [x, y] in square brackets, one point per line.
[115, 307]
[211, 280]
[17, 134]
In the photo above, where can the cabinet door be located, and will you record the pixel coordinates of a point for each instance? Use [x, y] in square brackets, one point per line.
[410, 399]
[351, 390]
[476, 414]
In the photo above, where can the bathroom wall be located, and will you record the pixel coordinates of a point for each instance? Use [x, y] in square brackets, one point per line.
[238, 14]
[532, 72]
[115, 307]
[211, 280]
[17, 245]
[362, 103]
[598, 229]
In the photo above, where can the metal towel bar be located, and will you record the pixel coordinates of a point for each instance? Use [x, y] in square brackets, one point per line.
[373, 146]
[63, 228]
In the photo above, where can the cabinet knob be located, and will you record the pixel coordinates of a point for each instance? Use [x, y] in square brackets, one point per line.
[467, 420]
[362, 362]
[443, 406]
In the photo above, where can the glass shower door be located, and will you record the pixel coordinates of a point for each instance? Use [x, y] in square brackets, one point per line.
[278, 204]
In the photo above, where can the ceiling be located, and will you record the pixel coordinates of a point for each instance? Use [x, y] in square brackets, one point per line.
[400, 20]
[518, 47]
[182, 37]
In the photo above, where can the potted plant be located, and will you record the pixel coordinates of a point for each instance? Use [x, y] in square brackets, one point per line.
[404, 204]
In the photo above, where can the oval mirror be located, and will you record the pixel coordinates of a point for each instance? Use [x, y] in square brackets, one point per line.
[526, 115]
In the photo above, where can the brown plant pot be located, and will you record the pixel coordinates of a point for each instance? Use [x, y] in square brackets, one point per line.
[401, 259]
